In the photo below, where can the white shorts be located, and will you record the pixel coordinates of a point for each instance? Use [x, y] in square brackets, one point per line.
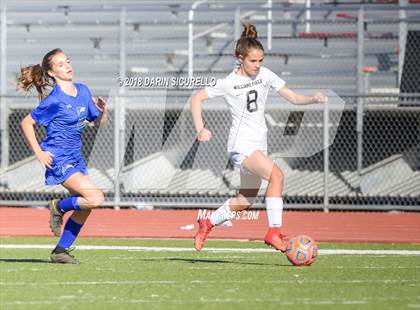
[237, 159]
[248, 180]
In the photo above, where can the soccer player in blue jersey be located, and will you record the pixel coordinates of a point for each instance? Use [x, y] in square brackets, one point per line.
[64, 113]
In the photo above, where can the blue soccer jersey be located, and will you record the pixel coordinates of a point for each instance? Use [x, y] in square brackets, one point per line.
[64, 118]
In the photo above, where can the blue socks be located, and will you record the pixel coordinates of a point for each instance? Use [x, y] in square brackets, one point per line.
[68, 204]
[71, 230]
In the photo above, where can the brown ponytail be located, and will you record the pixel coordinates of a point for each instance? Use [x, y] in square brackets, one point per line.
[37, 75]
[247, 41]
[249, 31]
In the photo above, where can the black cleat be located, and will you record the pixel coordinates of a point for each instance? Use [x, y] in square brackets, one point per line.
[62, 257]
[56, 217]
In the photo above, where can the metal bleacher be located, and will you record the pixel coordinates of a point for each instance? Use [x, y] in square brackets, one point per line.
[157, 41]
[157, 45]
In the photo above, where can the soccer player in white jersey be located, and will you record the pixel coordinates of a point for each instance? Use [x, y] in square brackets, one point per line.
[246, 90]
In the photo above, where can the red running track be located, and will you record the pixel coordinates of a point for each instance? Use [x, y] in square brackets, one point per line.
[333, 226]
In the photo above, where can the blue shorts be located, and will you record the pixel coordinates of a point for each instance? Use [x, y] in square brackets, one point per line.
[62, 168]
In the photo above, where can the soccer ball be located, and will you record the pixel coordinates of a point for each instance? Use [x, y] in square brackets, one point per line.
[301, 250]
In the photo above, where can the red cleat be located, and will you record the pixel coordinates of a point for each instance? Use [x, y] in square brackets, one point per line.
[204, 228]
[275, 238]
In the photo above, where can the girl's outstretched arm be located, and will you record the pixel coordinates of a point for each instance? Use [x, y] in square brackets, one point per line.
[299, 99]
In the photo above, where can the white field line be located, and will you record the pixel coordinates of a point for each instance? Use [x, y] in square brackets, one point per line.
[158, 300]
[168, 283]
[218, 250]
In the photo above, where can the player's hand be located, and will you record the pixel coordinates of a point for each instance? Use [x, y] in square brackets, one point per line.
[204, 135]
[100, 103]
[45, 158]
[318, 98]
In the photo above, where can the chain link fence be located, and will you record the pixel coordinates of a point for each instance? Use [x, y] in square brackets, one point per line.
[160, 163]
[147, 153]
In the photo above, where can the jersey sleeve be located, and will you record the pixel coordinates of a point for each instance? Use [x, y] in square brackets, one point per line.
[45, 112]
[93, 111]
[276, 82]
[216, 90]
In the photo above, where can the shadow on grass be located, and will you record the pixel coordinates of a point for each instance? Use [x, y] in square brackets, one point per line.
[24, 260]
[213, 261]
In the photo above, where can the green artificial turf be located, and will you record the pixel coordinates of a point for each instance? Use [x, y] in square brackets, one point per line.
[127, 279]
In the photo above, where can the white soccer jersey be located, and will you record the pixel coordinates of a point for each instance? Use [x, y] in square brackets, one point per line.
[246, 97]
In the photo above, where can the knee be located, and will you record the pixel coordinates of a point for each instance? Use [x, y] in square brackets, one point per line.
[276, 175]
[96, 200]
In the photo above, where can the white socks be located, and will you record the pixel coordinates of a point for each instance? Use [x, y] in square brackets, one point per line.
[222, 214]
[274, 207]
